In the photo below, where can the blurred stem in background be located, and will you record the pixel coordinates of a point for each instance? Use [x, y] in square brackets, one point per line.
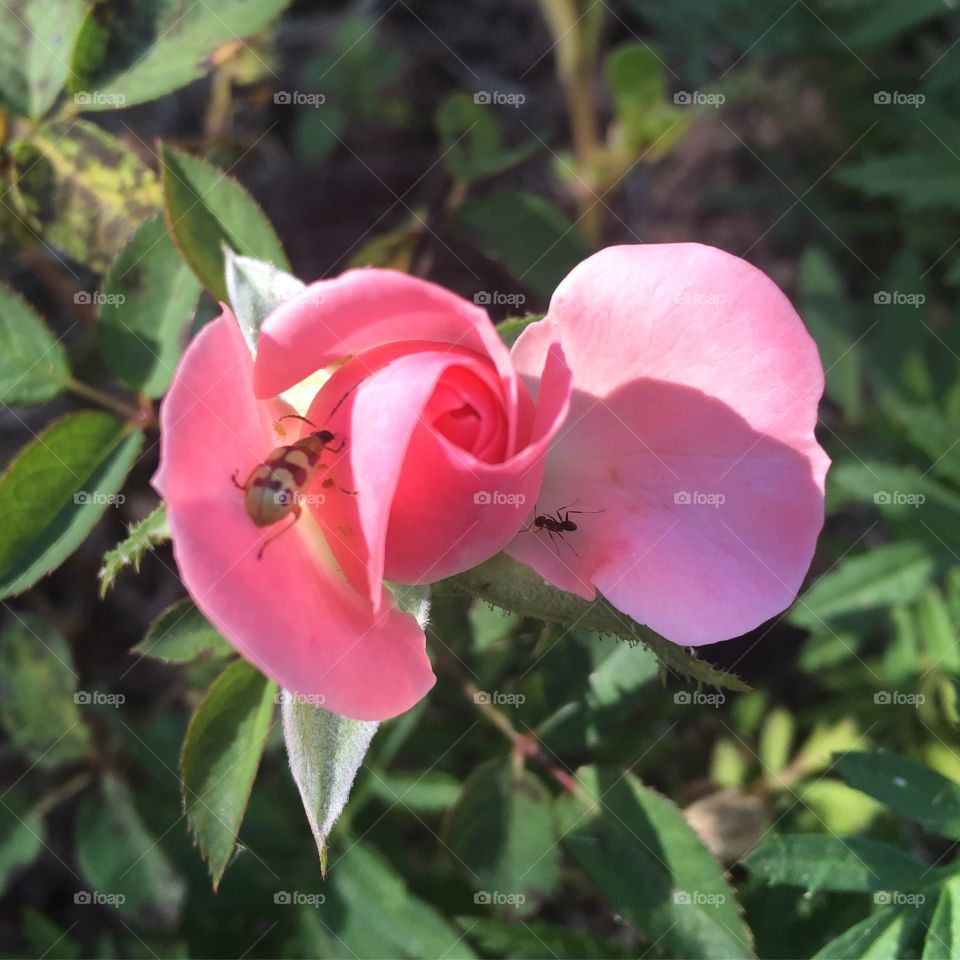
[575, 28]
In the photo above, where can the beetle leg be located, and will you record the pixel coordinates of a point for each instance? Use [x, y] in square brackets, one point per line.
[246, 483]
[295, 513]
[330, 482]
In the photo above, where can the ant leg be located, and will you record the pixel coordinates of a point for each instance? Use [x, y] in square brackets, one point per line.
[280, 533]
[554, 542]
[569, 544]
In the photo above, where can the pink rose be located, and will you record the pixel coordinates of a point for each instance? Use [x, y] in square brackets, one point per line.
[688, 449]
[440, 440]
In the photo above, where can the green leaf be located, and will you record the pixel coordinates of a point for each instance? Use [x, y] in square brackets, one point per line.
[894, 573]
[776, 740]
[854, 865]
[46, 939]
[917, 181]
[511, 585]
[931, 432]
[141, 537]
[471, 142]
[33, 365]
[182, 634]
[121, 859]
[22, 833]
[256, 289]
[82, 190]
[36, 39]
[138, 51]
[380, 917]
[54, 491]
[532, 239]
[937, 631]
[325, 751]
[221, 754]
[879, 937]
[650, 867]
[906, 786]
[205, 209]
[428, 792]
[149, 299]
[637, 79]
[501, 833]
[38, 708]
[534, 941]
[943, 934]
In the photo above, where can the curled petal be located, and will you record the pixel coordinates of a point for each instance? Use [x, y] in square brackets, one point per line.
[291, 614]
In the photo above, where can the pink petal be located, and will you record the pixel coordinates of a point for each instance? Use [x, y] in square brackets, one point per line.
[291, 614]
[693, 375]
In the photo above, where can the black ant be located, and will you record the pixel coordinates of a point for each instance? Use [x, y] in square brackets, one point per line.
[558, 524]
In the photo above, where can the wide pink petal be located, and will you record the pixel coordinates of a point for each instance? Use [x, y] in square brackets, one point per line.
[691, 428]
[291, 614]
